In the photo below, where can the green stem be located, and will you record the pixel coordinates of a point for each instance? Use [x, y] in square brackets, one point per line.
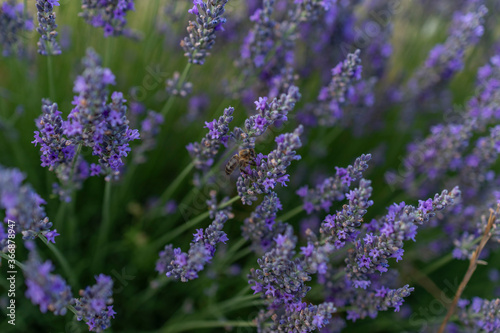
[105, 223]
[167, 194]
[446, 259]
[52, 90]
[73, 161]
[333, 135]
[190, 325]
[6, 257]
[60, 216]
[72, 220]
[235, 247]
[291, 213]
[170, 100]
[240, 254]
[127, 181]
[107, 52]
[189, 224]
[235, 300]
[62, 260]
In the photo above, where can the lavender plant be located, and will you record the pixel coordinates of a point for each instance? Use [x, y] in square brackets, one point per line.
[93, 123]
[293, 183]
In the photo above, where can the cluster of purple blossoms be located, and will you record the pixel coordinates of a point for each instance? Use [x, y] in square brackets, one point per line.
[441, 151]
[47, 290]
[333, 188]
[94, 305]
[92, 123]
[185, 266]
[385, 236]
[108, 14]
[273, 113]
[269, 36]
[259, 40]
[331, 98]
[464, 152]
[218, 133]
[343, 226]
[202, 31]
[282, 276]
[261, 228]
[22, 205]
[47, 45]
[446, 59]
[13, 21]
[270, 170]
[59, 153]
[56, 150]
[308, 319]
[480, 314]
[96, 124]
[369, 302]
[281, 280]
[477, 164]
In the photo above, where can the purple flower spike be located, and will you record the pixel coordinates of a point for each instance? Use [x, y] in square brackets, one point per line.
[201, 32]
[185, 266]
[47, 45]
[108, 15]
[48, 291]
[94, 305]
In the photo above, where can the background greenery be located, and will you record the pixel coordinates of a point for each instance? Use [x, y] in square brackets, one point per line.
[132, 247]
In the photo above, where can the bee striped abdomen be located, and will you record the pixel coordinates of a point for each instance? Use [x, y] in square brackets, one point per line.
[232, 164]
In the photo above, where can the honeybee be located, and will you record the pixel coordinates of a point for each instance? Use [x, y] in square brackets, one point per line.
[242, 159]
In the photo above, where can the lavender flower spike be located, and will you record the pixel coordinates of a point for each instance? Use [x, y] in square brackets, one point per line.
[333, 188]
[268, 114]
[481, 315]
[202, 31]
[332, 97]
[47, 45]
[23, 205]
[58, 153]
[94, 123]
[48, 291]
[94, 305]
[271, 169]
[343, 226]
[261, 228]
[109, 15]
[185, 266]
[446, 59]
[398, 225]
[203, 153]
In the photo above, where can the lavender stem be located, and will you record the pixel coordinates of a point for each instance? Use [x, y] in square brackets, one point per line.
[170, 100]
[62, 260]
